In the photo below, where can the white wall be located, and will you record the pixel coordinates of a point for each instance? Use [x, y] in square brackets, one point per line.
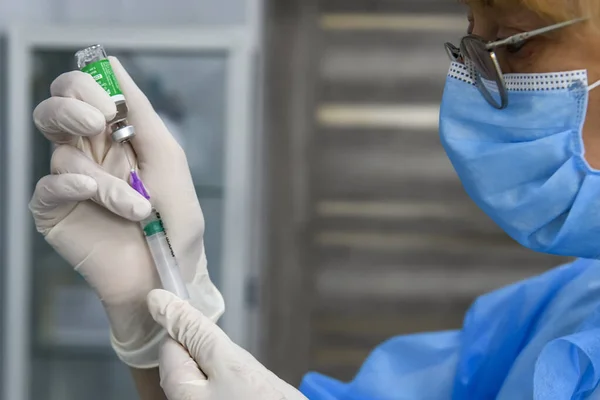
[137, 12]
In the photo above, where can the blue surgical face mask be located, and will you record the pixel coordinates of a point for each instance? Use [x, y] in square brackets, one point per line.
[524, 165]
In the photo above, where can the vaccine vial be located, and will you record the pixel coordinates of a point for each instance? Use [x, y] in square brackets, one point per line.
[94, 61]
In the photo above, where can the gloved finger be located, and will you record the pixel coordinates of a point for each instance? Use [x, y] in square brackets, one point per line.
[56, 195]
[152, 136]
[206, 342]
[63, 120]
[62, 115]
[249, 359]
[81, 86]
[174, 357]
[179, 373]
[113, 193]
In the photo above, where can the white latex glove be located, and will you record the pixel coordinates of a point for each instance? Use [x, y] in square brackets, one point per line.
[86, 209]
[217, 368]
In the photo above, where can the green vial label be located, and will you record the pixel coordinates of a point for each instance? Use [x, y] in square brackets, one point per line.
[153, 228]
[102, 73]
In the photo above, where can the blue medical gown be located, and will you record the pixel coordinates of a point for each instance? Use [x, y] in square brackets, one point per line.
[537, 339]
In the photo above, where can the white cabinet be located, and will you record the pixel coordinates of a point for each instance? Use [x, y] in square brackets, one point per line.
[56, 335]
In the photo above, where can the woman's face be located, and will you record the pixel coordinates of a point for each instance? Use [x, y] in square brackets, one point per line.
[567, 49]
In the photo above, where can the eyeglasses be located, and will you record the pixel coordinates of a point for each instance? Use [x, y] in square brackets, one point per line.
[489, 78]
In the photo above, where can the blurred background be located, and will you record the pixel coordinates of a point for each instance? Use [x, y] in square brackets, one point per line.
[334, 219]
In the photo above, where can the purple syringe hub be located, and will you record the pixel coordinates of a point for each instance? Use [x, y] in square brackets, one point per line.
[138, 185]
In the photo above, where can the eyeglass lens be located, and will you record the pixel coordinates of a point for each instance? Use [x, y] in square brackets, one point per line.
[489, 78]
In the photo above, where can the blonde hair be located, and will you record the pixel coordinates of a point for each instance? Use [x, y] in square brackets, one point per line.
[553, 10]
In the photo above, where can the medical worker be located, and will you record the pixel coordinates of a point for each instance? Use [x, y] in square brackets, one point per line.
[520, 121]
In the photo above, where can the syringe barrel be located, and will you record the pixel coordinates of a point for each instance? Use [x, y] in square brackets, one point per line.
[163, 255]
[94, 61]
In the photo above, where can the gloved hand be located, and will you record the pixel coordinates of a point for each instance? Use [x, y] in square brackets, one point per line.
[217, 368]
[87, 211]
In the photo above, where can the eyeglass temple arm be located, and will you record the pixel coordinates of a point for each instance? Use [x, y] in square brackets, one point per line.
[527, 35]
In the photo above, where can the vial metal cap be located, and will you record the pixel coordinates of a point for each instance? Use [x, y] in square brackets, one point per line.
[123, 133]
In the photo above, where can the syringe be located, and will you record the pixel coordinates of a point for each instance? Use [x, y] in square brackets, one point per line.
[93, 60]
[163, 255]
[160, 246]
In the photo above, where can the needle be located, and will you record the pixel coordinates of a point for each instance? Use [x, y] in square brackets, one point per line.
[129, 160]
